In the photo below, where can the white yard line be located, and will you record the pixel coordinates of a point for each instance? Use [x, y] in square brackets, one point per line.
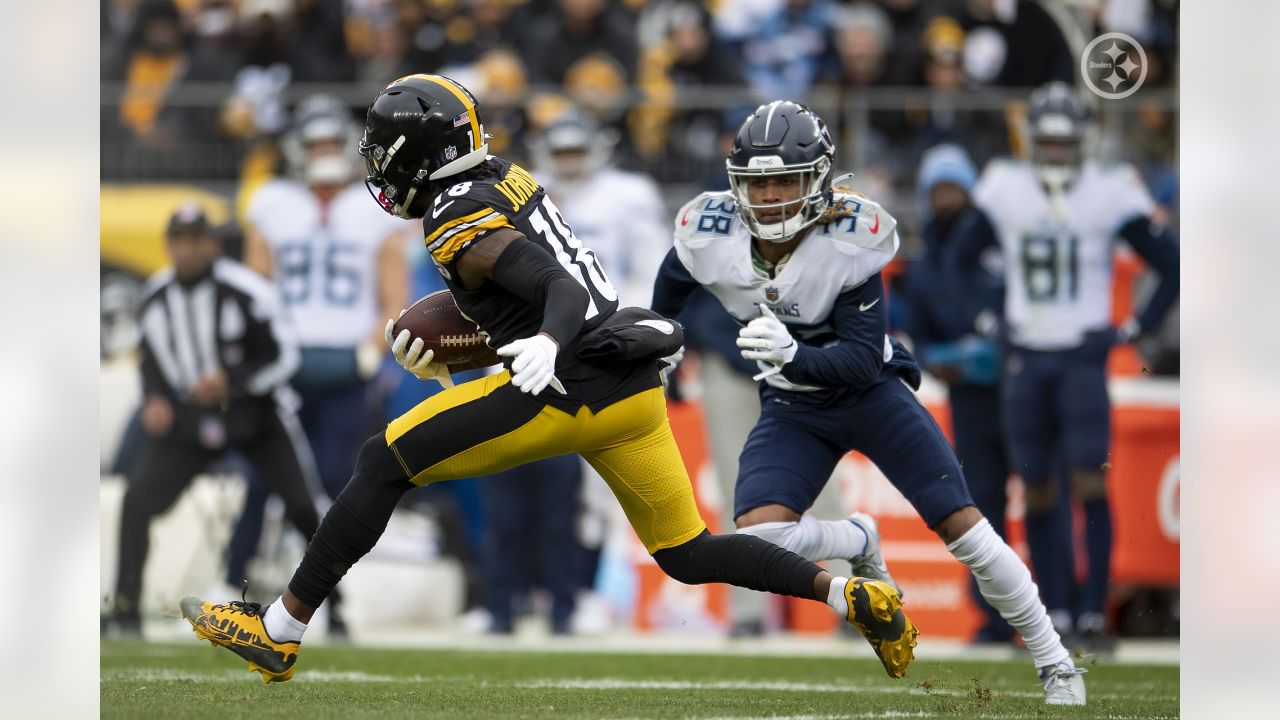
[322, 676]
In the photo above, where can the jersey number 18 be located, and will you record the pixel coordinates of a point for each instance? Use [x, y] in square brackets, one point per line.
[579, 260]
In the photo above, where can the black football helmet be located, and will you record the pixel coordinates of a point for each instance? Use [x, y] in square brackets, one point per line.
[420, 128]
[1057, 120]
[779, 138]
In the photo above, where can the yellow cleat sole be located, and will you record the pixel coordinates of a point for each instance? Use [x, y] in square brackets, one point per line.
[267, 676]
[875, 608]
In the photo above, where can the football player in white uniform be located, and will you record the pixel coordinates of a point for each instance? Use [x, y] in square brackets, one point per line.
[798, 264]
[340, 265]
[1056, 219]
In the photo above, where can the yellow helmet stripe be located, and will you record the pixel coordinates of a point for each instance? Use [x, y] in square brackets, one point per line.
[477, 137]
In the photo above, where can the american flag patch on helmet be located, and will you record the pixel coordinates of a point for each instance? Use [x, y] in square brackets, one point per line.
[461, 120]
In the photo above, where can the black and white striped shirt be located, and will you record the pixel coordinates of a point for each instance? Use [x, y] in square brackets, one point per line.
[233, 319]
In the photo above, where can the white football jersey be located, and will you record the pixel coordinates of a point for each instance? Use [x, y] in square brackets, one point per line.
[1058, 255]
[714, 245]
[620, 216]
[326, 264]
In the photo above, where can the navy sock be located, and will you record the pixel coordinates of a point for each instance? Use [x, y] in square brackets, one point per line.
[1097, 515]
[1042, 532]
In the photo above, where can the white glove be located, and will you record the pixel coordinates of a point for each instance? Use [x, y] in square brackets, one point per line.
[534, 366]
[368, 358]
[767, 340]
[669, 364]
[410, 356]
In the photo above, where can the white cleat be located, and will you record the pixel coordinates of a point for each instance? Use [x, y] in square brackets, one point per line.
[1063, 684]
[870, 564]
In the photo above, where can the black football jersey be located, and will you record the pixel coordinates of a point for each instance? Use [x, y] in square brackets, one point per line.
[512, 199]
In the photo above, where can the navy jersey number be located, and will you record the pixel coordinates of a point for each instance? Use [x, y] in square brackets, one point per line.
[1050, 267]
[340, 281]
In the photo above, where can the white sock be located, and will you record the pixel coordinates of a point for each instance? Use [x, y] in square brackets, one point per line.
[280, 625]
[1006, 583]
[814, 539]
[836, 599]
[1061, 620]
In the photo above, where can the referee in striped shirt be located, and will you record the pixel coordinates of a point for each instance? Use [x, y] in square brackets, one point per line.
[217, 353]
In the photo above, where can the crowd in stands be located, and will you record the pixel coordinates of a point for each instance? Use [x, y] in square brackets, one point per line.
[194, 87]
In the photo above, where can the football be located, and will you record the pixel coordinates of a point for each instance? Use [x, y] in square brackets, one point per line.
[457, 341]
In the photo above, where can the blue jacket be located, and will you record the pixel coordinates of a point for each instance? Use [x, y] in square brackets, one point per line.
[943, 296]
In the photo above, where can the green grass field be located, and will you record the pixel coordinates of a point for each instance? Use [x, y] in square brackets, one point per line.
[190, 680]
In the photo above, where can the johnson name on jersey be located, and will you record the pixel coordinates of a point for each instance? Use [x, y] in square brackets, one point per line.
[1058, 249]
[471, 209]
[714, 245]
[325, 259]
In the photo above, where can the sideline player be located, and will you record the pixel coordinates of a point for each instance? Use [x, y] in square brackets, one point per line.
[1056, 218]
[516, 268]
[798, 264]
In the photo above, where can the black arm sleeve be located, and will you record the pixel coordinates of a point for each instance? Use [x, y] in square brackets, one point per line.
[535, 277]
[271, 349]
[856, 360]
[1155, 244]
[153, 382]
[672, 287]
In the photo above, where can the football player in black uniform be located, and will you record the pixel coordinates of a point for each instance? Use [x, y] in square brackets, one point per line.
[516, 269]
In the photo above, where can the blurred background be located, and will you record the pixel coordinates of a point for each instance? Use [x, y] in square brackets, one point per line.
[200, 102]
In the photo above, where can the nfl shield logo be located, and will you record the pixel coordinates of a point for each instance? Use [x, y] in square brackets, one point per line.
[451, 152]
[771, 294]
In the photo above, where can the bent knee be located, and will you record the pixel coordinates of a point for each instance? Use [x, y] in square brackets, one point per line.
[1043, 497]
[766, 514]
[1089, 485]
[680, 562]
[377, 463]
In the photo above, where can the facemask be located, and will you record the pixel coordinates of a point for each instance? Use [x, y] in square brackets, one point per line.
[328, 170]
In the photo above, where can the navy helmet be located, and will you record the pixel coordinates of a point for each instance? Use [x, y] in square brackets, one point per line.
[1057, 120]
[420, 128]
[782, 137]
[573, 148]
[321, 118]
